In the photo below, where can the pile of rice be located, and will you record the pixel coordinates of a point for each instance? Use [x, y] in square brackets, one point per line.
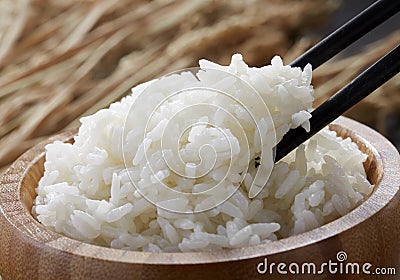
[172, 172]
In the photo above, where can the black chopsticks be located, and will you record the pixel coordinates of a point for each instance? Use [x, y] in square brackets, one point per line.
[347, 34]
[351, 94]
[363, 85]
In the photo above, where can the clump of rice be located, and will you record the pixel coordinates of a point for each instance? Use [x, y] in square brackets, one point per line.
[109, 187]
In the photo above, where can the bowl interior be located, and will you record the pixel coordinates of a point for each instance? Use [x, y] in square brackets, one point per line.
[373, 165]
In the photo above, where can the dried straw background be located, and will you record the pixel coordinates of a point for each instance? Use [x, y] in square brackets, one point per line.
[60, 60]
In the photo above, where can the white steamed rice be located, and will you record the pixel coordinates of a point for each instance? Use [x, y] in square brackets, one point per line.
[97, 189]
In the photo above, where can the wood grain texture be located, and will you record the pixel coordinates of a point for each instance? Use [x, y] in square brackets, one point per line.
[370, 233]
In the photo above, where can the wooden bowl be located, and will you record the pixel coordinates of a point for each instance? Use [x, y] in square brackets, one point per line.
[368, 234]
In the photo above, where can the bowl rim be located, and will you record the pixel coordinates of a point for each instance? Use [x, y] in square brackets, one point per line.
[385, 153]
